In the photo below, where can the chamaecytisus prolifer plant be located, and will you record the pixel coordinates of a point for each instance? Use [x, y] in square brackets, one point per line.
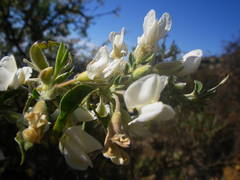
[119, 90]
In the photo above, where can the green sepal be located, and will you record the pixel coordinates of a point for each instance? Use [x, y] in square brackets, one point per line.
[23, 146]
[148, 59]
[168, 68]
[131, 59]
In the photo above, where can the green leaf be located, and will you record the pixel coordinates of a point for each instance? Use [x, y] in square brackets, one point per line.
[11, 116]
[64, 58]
[63, 77]
[69, 103]
[131, 59]
[61, 59]
[198, 86]
[6, 95]
[117, 80]
[37, 56]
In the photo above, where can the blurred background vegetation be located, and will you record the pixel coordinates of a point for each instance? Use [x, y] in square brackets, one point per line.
[201, 143]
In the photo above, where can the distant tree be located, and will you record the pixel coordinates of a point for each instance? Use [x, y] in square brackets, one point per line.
[23, 22]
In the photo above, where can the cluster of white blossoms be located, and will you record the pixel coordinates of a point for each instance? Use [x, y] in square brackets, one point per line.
[10, 75]
[119, 90]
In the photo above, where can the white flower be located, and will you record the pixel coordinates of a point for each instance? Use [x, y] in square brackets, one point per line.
[144, 95]
[190, 62]
[75, 145]
[119, 47]
[154, 29]
[103, 67]
[10, 76]
[145, 90]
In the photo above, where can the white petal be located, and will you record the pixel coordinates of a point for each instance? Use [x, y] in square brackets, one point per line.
[75, 145]
[191, 62]
[96, 66]
[9, 63]
[21, 76]
[145, 90]
[115, 67]
[156, 111]
[154, 29]
[165, 24]
[8, 70]
[82, 139]
[27, 71]
[82, 115]
[15, 82]
[119, 47]
[74, 155]
[149, 20]
[151, 37]
[6, 79]
[111, 36]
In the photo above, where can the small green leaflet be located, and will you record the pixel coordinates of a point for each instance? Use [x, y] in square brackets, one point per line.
[61, 59]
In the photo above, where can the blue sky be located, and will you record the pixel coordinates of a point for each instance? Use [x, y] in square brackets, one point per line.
[203, 24]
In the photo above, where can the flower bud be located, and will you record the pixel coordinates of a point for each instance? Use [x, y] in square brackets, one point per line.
[40, 107]
[141, 71]
[46, 75]
[83, 77]
[37, 57]
[141, 53]
[32, 135]
[101, 109]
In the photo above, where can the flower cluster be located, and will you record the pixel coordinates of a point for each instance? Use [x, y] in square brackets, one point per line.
[120, 91]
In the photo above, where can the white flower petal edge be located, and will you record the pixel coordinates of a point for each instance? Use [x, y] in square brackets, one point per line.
[75, 145]
[98, 64]
[103, 67]
[82, 115]
[156, 111]
[190, 62]
[8, 69]
[10, 76]
[145, 90]
[119, 47]
[21, 76]
[165, 24]
[114, 67]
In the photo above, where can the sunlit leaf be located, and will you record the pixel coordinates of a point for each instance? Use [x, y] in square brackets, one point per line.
[37, 57]
[69, 103]
[61, 59]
